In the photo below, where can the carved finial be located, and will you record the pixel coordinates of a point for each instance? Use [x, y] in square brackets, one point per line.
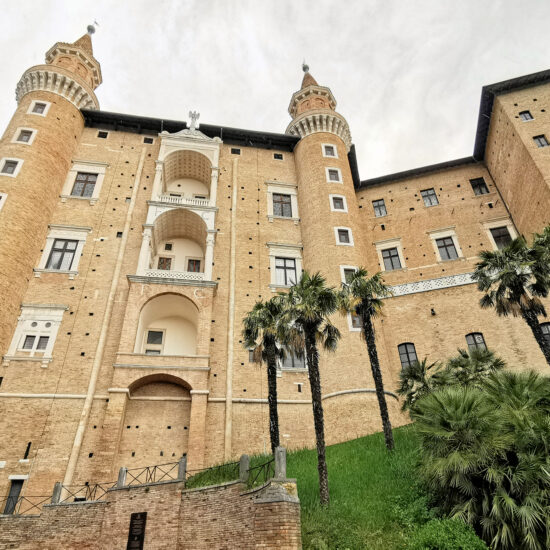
[91, 28]
[305, 67]
[194, 116]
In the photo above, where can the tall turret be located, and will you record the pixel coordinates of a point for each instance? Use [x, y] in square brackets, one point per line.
[35, 154]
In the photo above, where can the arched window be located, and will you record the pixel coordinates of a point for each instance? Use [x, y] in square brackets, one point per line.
[407, 354]
[545, 327]
[475, 340]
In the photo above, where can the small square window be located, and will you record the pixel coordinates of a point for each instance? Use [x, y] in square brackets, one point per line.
[338, 203]
[119, 234]
[475, 340]
[391, 259]
[348, 274]
[343, 236]
[148, 140]
[39, 108]
[155, 337]
[165, 264]
[194, 266]
[235, 151]
[541, 140]
[334, 174]
[525, 116]
[9, 167]
[24, 136]
[429, 196]
[479, 186]
[379, 208]
[329, 151]
[278, 156]
[168, 246]
[282, 205]
[103, 135]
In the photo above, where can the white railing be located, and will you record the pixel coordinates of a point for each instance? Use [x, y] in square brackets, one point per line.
[169, 274]
[184, 200]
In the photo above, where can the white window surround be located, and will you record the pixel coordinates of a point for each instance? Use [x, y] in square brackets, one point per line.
[336, 229]
[492, 224]
[17, 168]
[47, 320]
[18, 131]
[282, 250]
[351, 328]
[3, 199]
[70, 232]
[390, 243]
[332, 209]
[34, 102]
[324, 145]
[343, 269]
[19, 477]
[442, 233]
[339, 174]
[88, 166]
[155, 347]
[284, 189]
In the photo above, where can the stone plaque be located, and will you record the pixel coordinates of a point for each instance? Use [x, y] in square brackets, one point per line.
[136, 535]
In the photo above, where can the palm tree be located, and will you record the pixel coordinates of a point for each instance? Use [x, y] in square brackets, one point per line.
[473, 366]
[419, 379]
[309, 304]
[513, 280]
[264, 332]
[362, 295]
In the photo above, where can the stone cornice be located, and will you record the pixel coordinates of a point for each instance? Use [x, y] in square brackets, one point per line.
[57, 81]
[322, 120]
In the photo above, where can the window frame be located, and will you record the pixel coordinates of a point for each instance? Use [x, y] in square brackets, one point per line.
[386, 244]
[343, 269]
[283, 250]
[475, 345]
[87, 167]
[280, 157]
[531, 117]
[85, 184]
[148, 142]
[476, 181]
[64, 251]
[17, 169]
[429, 196]
[339, 173]
[545, 328]
[18, 131]
[164, 259]
[443, 234]
[153, 347]
[285, 271]
[192, 259]
[325, 145]
[282, 188]
[407, 354]
[496, 223]
[286, 202]
[376, 215]
[344, 201]
[33, 103]
[294, 357]
[538, 141]
[106, 136]
[337, 236]
[391, 258]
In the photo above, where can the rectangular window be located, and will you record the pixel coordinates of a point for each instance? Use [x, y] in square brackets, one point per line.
[348, 274]
[165, 263]
[62, 254]
[39, 108]
[355, 321]
[333, 174]
[338, 203]
[429, 196]
[251, 358]
[479, 186]
[541, 141]
[152, 352]
[285, 271]
[391, 259]
[343, 236]
[447, 249]
[194, 265]
[24, 136]
[293, 361]
[155, 337]
[282, 205]
[29, 342]
[329, 150]
[407, 354]
[379, 208]
[525, 116]
[168, 246]
[13, 497]
[42, 343]
[84, 184]
[103, 135]
[475, 340]
[148, 140]
[278, 156]
[235, 151]
[9, 167]
[501, 236]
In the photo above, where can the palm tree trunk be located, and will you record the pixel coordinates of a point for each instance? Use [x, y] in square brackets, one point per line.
[368, 330]
[272, 399]
[531, 319]
[312, 356]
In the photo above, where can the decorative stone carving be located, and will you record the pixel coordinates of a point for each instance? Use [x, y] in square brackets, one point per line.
[433, 284]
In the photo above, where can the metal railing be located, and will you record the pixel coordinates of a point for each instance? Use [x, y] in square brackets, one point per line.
[229, 471]
[261, 473]
[23, 505]
[86, 492]
[153, 474]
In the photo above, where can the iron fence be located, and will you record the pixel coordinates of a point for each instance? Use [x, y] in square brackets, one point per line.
[261, 473]
[23, 505]
[86, 492]
[153, 474]
[213, 475]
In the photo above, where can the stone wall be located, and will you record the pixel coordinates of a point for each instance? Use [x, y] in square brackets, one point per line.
[225, 516]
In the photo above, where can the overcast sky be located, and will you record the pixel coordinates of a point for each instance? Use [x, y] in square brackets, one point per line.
[407, 74]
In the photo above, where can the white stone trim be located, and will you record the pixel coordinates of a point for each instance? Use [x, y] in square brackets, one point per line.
[17, 168]
[503, 221]
[3, 199]
[350, 233]
[340, 180]
[90, 167]
[433, 284]
[311, 122]
[351, 328]
[442, 233]
[342, 271]
[70, 232]
[18, 477]
[390, 243]
[41, 315]
[18, 131]
[284, 189]
[281, 250]
[332, 209]
[34, 102]
[333, 145]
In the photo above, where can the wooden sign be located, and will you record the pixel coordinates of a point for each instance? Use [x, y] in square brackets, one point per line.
[136, 535]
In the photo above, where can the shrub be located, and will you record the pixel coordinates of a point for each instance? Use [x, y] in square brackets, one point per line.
[445, 534]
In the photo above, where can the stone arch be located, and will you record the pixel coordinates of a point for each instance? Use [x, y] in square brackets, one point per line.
[168, 325]
[187, 174]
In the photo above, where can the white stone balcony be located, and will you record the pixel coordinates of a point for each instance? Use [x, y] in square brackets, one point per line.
[169, 274]
[183, 201]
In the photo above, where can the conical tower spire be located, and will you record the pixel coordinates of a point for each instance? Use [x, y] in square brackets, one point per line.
[308, 80]
[85, 43]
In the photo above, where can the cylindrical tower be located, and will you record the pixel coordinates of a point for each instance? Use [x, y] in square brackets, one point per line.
[328, 206]
[35, 154]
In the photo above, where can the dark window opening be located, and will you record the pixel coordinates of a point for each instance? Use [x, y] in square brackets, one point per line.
[27, 451]
[525, 115]
[282, 205]
[407, 354]
[62, 254]
[278, 156]
[194, 265]
[9, 167]
[333, 174]
[475, 340]
[479, 186]
[285, 271]
[541, 140]
[24, 136]
[379, 208]
[447, 249]
[293, 360]
[165, 264]
[39, 108]
[84, 185]
[148, 140]
[235, 151]
[391, 259]
[429, 196]
[103, 135]
[338, 203]
[13, 497]
[501, 236]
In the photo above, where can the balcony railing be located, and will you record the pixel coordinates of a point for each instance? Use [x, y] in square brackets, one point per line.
[184, 201]
[169, 274]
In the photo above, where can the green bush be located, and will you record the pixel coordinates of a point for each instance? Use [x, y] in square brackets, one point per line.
[445, 534]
